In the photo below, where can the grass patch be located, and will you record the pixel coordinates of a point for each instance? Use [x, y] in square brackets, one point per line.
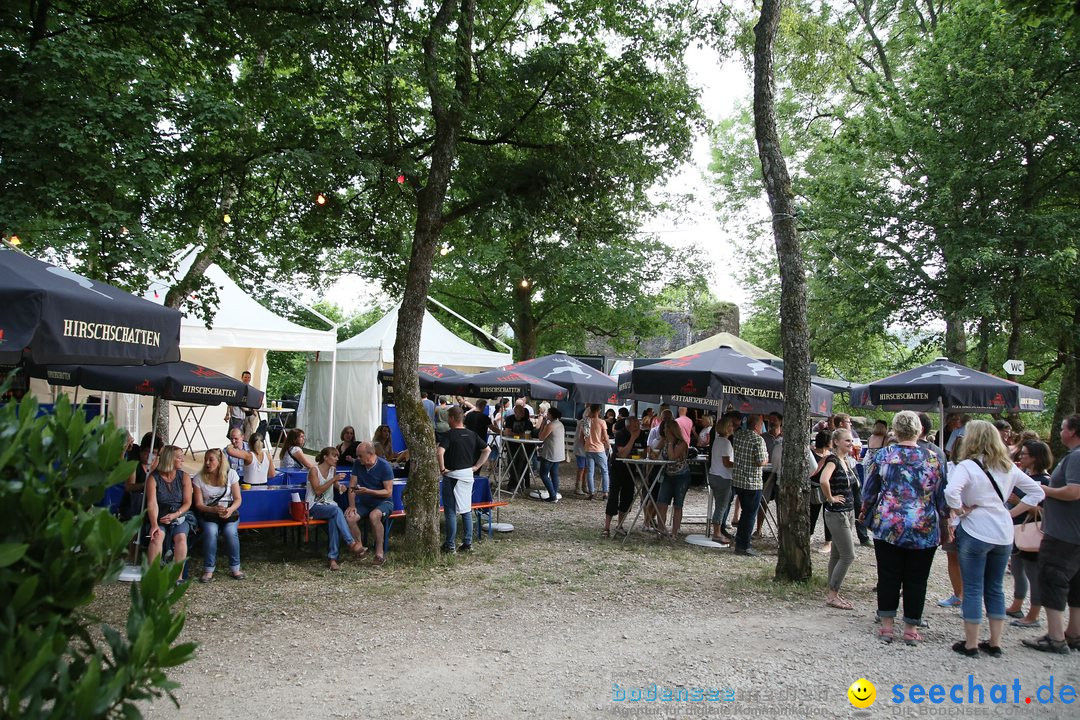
[763, 581]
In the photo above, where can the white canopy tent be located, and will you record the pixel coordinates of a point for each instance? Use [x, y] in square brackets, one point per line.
[354, 390]
[241, 333]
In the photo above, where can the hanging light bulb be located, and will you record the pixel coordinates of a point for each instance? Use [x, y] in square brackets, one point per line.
[525, 283]
[444, 250]
[14, 240]
[320, 199]
[401, 179]
[226, 218]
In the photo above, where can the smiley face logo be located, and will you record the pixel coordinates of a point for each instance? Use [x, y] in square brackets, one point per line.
[862, 693]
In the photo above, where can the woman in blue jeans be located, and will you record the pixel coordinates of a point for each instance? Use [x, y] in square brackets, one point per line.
[216, 498]
[676, 479]
[321, 505]
[983, 477]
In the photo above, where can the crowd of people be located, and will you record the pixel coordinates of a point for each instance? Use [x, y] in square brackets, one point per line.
[966, 497]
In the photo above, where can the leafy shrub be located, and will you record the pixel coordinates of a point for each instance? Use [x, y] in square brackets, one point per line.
[55, 548]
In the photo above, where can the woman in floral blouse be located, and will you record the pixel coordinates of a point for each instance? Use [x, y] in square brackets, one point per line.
[902, 503]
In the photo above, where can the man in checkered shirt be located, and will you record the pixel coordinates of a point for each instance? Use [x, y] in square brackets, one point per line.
[746, 481]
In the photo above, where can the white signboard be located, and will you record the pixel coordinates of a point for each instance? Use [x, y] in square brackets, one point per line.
[1014, 367]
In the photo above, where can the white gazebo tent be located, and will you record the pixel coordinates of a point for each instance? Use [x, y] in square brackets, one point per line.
[241, 333]
[354, 389]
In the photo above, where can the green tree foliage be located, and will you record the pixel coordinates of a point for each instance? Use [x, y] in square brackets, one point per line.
[938, 178]
[55, 548]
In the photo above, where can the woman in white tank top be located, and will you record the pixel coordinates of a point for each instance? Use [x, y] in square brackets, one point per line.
[258, 465]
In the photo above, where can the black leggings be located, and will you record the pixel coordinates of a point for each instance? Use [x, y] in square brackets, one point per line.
[902, 568]
[814, 511]
[620, 493]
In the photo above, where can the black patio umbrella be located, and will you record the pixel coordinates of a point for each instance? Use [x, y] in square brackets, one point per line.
[718, 379]
[177, 381]
[52, 315]
[585, 384]
[428, 375]
[497, 383]
[943, 385]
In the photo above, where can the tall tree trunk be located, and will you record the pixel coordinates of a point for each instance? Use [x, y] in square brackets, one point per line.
[955, 337]
[1069, 392]
[793, 562]
[421, 501]
[524, 322]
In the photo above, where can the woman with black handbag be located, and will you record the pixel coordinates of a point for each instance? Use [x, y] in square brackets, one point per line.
[216, 490]
[983, 477]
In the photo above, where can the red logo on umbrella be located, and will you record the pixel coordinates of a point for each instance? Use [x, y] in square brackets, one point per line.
[746, 407]
[511, 376]
[997, 400]
[679, 362]
[865, 399]
[612, 400]
[205, 372]
[431, 370]
[1, 336]
[144, 387]
[689, 388]
[823, 407]
[560, 395]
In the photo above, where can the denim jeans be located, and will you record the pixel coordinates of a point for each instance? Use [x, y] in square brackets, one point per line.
[451, 513]
[210, 541]
[982, 566]
[336, 527]
[749, 500]
[721, 492]
[595, 460]
[549, 474]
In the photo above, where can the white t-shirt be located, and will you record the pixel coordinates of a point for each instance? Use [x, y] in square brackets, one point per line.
[989, 519]
[289, 462]
[211, 493]
[721, 448]
[327, 498]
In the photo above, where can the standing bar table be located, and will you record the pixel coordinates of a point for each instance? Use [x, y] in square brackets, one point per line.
[639, 470]
[523, 448]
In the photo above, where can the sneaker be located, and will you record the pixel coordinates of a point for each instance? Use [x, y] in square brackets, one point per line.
[749, 552]
[465, 547]
[1045, 644]
[991, 650]
[865, 542]
[950, 602]
[446, 550]
[1021, 623]
[1015, 613]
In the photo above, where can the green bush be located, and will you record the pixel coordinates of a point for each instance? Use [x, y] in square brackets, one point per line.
[55, 548]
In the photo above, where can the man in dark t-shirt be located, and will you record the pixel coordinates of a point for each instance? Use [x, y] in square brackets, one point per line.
[518, 424]
[479, 421]
[461, 453]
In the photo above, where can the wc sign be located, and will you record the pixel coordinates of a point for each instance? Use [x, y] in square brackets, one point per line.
[1014, 367]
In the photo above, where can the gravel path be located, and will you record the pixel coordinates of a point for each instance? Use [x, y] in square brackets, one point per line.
[552, 620]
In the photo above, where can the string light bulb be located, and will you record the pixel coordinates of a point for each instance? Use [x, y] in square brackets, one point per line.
[320, 199]
[226, 218]
[401, 179]
[444, 250]
[525, 283]
[14, 240]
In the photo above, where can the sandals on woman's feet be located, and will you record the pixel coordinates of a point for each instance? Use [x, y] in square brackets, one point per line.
[379, 560]
[238, 575]
[839, 603]
[885, 634]
[912, 637]
[334, 565]
[206, 577]
[605, 533]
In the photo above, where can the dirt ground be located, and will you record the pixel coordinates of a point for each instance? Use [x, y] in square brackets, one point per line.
[553, 620]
